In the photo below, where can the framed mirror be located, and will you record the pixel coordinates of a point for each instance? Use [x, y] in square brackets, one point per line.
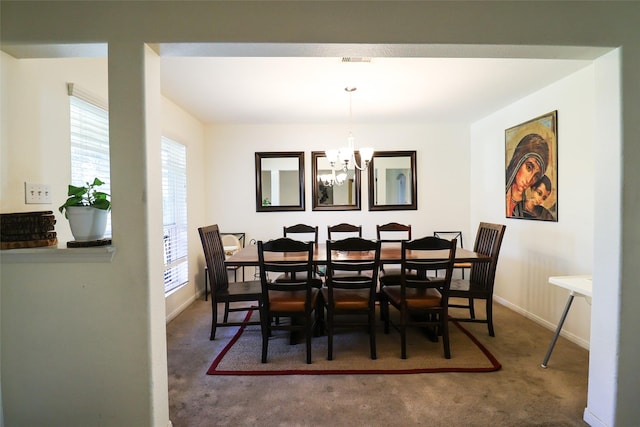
[280, 181]
[393, 181]
[333, 190]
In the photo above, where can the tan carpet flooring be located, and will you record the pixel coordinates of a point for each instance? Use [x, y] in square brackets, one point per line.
[520, 394]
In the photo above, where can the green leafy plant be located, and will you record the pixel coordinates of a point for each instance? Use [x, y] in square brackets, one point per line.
[87, 195]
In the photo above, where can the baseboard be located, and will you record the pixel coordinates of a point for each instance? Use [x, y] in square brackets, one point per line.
[182, 307]
[591, 419]
[568, 335]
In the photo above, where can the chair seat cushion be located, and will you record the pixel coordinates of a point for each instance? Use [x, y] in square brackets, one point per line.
[462, 265]
[390, 271]
[315, 282]
[342, 274]
[460, 285]
[283, 301]
[348, 299]
[470, 287]
[396, 279]
[416, 298]
[250, 289]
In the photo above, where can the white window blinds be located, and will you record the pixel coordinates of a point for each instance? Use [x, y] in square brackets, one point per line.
[89, 130]
[174, 213]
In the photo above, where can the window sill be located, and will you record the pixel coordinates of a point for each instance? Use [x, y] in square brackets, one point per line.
[58, 255]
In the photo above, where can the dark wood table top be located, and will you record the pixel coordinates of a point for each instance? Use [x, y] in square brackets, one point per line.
[390, 254]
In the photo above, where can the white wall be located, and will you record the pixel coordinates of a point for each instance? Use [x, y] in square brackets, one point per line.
[442, 151]
[181, 127]
[35, 143]
[534, 250]
[57, 342]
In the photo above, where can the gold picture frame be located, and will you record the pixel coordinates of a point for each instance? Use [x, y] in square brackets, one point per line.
[531, 169]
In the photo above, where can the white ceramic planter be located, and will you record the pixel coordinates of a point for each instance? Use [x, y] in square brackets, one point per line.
[87, 223]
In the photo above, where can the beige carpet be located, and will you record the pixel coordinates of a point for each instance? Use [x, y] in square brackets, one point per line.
[241, 356]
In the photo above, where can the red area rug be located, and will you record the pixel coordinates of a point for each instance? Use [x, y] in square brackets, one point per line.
[241, 355]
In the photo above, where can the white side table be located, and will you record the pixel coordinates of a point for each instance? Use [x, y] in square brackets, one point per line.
[578, 286]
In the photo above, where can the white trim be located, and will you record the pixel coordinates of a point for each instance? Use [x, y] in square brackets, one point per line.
[58, 255]
[571, 337]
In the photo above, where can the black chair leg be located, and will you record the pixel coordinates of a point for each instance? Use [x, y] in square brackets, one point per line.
[372, 334]
[214, 319]
[490, 317]
[384, 310]
[307, 333]
[226, 311]
[266, 332]
[472, 309]
[444, 326]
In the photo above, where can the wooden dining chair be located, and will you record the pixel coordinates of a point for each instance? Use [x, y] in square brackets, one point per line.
[302, 232]
[343, 230]
[482, 276]
[221, 292]
[297, 298]
[462, 266]
[392, 232]
[421, 301]
[352, 292]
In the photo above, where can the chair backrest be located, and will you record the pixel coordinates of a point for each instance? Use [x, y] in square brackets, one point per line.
[393, 232]
[214, 257]
[361, 272]
[344, 230]
[420, 255]
[286, 256]
[308, 230]
[448, 235]
[488, 242]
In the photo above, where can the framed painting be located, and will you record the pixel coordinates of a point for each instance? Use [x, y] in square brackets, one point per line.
[531, 169]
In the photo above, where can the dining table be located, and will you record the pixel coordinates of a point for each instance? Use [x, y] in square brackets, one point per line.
[390, 253]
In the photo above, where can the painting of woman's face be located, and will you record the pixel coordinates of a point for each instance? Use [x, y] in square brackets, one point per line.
[528, 173]
[531, 169]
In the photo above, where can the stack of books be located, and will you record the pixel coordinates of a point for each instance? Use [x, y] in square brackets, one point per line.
[27, 230]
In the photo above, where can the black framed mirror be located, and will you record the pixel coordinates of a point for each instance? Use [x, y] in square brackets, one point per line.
[393, 181]
[333, 190]
[279, 181]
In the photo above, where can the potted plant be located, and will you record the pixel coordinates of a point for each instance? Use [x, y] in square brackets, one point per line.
[87, 210]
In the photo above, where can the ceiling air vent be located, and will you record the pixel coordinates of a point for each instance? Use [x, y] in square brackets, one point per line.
[355, 59]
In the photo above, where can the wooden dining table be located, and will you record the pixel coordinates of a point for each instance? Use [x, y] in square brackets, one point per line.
[390, 253]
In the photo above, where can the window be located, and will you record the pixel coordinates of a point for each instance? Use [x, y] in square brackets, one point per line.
[89, 129]
[174, 213]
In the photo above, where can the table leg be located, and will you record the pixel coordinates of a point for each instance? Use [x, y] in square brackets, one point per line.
[555, 336]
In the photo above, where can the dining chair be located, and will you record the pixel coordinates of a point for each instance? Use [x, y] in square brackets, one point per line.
[343, 230]
[458, 236]
[392, 232]
[302, 232]
[482, 276]
[296, 298]
[339, 231]
[352, 292]
[221, 292]
[421, 301]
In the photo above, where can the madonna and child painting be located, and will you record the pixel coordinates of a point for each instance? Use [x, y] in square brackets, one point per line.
[532, 169]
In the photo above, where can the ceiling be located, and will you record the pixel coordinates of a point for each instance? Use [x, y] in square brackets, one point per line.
[311, 89]
[304, 83]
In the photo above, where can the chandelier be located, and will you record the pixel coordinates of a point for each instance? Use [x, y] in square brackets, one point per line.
[344, 157]
[331, 179]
